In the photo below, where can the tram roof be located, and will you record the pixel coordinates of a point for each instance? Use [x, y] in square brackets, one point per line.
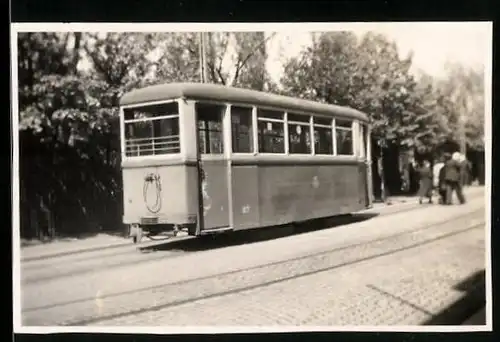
[216, 92]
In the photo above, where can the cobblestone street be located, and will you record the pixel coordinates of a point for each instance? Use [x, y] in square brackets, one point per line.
[398, 268]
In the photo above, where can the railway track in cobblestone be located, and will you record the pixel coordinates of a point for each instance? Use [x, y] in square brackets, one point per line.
[109, 259]
[180, 247]
[127, 303]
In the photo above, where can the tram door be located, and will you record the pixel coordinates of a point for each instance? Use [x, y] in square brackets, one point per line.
[213, 167]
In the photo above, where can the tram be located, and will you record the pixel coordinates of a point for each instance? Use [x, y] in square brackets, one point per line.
[206, 158]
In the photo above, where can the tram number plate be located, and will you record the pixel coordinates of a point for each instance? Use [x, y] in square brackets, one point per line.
[149, 220]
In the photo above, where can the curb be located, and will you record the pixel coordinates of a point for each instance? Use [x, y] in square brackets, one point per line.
[75, 251]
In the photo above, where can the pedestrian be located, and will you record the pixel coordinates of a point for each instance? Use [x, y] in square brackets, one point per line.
[453, 180]
[436, 169]
[425, 182]
[442, 183]
[437, 176]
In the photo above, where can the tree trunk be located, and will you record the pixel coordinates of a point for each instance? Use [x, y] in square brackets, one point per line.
[381, 172]
[76, 52]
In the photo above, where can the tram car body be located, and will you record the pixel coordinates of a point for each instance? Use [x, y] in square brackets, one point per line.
[208, 158]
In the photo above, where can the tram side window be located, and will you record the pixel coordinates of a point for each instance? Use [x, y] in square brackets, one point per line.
[271, 131]
[343, 132]
[210, 135]
[299, 134]
[152, 130]
[323, 142]
[242, 129]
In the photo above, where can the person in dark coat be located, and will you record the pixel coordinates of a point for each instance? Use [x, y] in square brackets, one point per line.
[425, 182]
[452, 178]
[441, 188]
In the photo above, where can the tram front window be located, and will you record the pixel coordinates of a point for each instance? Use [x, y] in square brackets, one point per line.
[152, 130]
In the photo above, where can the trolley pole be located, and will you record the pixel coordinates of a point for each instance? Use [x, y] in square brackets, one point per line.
[203, 57]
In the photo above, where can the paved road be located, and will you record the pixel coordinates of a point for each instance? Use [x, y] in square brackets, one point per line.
[398, 269]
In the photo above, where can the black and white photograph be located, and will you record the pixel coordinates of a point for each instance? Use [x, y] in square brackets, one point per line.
[251, 177]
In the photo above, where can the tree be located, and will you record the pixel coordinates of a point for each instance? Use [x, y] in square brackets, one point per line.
[47, 84]
[176, 57]
[464, 90]
[233, 58]
[69, 142]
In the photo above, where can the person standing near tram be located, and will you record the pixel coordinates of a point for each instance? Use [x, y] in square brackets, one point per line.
[452, 178]
[425, 182]
[437, 178]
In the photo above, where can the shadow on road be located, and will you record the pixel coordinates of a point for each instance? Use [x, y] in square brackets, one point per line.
[474, 299]
[257, 235]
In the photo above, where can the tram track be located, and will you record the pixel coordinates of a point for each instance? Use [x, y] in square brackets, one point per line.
[149, 253]
[126, 248]
[258, 276]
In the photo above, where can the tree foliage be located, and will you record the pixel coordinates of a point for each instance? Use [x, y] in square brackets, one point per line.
[464, 88]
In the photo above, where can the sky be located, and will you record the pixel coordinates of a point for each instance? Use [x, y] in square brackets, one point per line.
[433, 44]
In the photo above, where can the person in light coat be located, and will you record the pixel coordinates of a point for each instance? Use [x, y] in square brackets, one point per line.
[437, 178]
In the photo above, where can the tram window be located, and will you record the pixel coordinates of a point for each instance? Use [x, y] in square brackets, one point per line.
[152, 130]
[271, 131]
[242, 129]
[343, 132]
[210, 135]
[299, 134]
[323, 142]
